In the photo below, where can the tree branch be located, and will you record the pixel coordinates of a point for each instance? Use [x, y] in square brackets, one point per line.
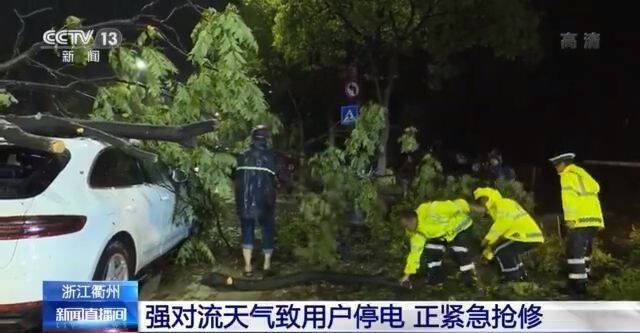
[28, 85]
[351, 26]
[20, 36]
[427, 15]
[55, 126]
[34, 49]
[14, 134]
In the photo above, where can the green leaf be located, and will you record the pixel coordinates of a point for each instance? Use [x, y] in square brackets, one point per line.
[6, 99]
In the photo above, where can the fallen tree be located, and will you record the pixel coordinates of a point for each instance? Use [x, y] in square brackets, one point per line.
[39, 132]
[218, 280]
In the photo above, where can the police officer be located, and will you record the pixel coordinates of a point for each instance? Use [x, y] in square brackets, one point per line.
[582, 215]
[432, 228]
[255, 191]
[513, 232]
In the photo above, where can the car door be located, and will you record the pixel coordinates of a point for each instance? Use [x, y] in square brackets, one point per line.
[121, 178]
[158, 179]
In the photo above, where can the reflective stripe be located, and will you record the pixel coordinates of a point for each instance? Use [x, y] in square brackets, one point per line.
[435, 247]
[534, 234]
[438, 218]
[464, 225]
[576, 261]
[502, 246]
[255, 169]
[517, 216]
[581, 276]
[589, 219]
[459, 249]
[579, 193]
[468, 267]
[434, 264]
[583, 190]
[587, 258]
[513, 269]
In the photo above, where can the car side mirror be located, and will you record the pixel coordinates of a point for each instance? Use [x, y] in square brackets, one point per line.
[179, 176]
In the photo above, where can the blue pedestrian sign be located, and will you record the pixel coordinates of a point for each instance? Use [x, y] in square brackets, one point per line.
[348, 114]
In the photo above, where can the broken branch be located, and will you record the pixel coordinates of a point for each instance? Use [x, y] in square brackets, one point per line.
[56, 126]
[14, 134]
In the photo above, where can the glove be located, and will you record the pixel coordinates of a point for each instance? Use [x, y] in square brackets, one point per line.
[487, 253]
[405, 282]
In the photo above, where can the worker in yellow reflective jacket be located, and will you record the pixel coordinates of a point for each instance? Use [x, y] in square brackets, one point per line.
[582, 215]
[432, 228]
[512, 233]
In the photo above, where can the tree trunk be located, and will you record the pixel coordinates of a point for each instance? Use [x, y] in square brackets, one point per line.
[14, 134]
[35, 132]
[332, 130]
[219, 280]
[62, 127]
[301, 137]
[385, 98]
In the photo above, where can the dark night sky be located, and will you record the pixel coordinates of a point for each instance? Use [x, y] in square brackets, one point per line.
[585, 100]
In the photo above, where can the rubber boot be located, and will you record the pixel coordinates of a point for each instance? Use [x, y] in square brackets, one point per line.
[577, 289]
[434, 279]
[470, 280]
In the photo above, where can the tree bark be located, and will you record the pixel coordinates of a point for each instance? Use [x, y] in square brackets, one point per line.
[217, 280]
[14, 134]
[385, 100]
[47, 125]
[33, 132]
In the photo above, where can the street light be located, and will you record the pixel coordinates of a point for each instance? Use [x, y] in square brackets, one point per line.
[141, 65]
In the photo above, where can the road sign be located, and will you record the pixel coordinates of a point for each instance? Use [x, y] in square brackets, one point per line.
[352, 89]
[348, 114]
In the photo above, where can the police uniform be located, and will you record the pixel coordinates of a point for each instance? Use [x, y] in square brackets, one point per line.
[513, 233]
[441, 225]
[582, 215]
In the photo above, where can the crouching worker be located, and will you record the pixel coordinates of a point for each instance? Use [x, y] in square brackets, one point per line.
[432, 228]
[513, 233]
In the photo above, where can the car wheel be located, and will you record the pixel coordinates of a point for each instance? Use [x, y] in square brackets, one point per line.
[115, 263]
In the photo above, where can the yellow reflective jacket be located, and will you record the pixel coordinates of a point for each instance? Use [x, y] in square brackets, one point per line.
[436, 219]
[580, 201]
[510, 220]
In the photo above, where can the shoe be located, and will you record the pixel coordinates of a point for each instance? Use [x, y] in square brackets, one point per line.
[269, 272]
[434, 282]
[470, 282]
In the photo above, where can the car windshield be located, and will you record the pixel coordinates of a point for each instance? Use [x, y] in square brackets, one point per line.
[25, 173]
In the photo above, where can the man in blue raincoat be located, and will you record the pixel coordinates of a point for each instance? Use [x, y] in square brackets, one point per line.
[255, 190]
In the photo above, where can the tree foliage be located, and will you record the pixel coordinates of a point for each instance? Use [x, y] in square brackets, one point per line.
[223, 85]
[379, 34]
[407, 141]
[6, 99]
[316, 31]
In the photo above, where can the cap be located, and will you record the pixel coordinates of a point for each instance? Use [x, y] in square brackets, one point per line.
[260, 132]
[565, 157]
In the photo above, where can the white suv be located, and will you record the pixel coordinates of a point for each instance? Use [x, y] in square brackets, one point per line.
[92, 212]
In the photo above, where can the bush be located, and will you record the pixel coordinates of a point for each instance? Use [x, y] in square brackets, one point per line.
[310, 233]
[547, 259]
[514, 189]
[634, 242]
[624, 285]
